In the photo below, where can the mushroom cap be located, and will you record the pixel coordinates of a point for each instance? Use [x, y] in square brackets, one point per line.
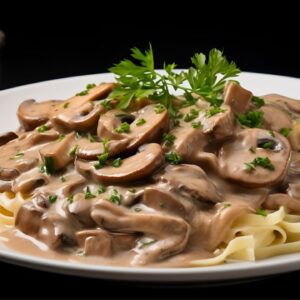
[235, 153]
[136, 167]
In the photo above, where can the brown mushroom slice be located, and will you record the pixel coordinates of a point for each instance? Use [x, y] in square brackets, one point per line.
[7, 137]
[292, 105]
[190, 181]
[28, 181]
[248, 145]
[294, 136]
[80, 118]
[155, 124]
[88, 150]
[59, 151]
[32, 114]
[136, 167]
[275, 201]
[169, 234]
[275, 118]
[237, 97]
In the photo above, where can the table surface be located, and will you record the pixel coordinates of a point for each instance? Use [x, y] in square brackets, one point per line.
[49, 57]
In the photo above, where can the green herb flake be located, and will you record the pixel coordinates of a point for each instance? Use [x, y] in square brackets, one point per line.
[263, 162]
[101, 189]
[17, 155]
[102, 160]
[271, 133]
[49, 164]
[78, 135]
[226, 205]
[106, 104]
[173, 158]
[214, 111]
[257, 101]
[196, 125]
[117, 162]
[137, 209]
[285, 131]
[261, 212]
[193, 114]
[91, 138]
[42, 128]
[73, 150]
[140, 122]
[82, 93]
[52, 198]
[252, 149]
[252, 119]
[115, 197]
[61, 137]
[169, 139]
[132, 190]
[90, 86]
[123, 128]
[70, 199]
[63, 179]
[66, 105]
[146, 242]
[159, 108]
[88, 194]
[267, 145]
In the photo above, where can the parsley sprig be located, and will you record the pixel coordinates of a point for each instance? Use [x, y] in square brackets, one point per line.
[138, 79]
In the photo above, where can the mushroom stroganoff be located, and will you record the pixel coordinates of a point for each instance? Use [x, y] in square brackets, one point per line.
[126, 173]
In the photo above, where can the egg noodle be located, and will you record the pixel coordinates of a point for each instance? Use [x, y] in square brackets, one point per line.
[251, 237]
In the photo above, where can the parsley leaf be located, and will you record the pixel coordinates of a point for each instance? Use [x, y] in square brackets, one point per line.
[117, 162]
[169, 139]
[115, 197]
[257, 101]
[42, 128]
[263, 162]
[52, 198]
[213, 111]
[173, 158]
[123, 128]
[140, 122]
[285, 131]
[252, 119]
[49, 164]
[261, 212]
[88, 194]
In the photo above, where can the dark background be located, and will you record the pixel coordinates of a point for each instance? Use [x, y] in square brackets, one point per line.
[45, 41]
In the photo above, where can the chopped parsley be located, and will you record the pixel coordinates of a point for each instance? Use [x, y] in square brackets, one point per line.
[82, 93]
[102, 160]
[70, 198]
[159, 108]
[52, 198]
[123, 128]
[73, 150]
[252, 150]
[252, 119]
[91, 138]
[17, 155]
[117, 162]
[193, 114]
[173, 158]
[106, 104]
[42, 128]
[61, 137]
[88, 194]
[63, 179]
[267, 145]
[196, 125]
[132, 190]
[285, 131]
[169, 139]
[49, 165]
[137, 209]
[140, 122]
[271, 133]
[263, 162]
[115, 197]
[226, 205]
[101, 189]
[257, 101]
[66, 105]
[213, 111]
[261, 212]
[90, 86]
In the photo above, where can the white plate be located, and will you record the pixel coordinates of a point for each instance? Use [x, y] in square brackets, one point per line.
[64, 88]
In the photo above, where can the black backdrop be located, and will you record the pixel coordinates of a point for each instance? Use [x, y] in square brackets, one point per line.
[44, 41]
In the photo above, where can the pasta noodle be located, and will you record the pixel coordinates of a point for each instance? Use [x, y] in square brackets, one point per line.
[9, 206]
[254, 237]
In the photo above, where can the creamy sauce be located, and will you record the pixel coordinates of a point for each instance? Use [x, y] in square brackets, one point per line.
[130, 206]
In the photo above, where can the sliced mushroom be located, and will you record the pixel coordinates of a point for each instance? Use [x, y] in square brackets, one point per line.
[79, 118]
[88, 150]
[247, 146]
[275, 201]
[60, 151]
[169, 234]
[275, 118]
[286, 103]
[237, 97]
[136, 167]
[190, 181]
[294, 137]
[7, 137]
[32, 114]
[155, 124]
